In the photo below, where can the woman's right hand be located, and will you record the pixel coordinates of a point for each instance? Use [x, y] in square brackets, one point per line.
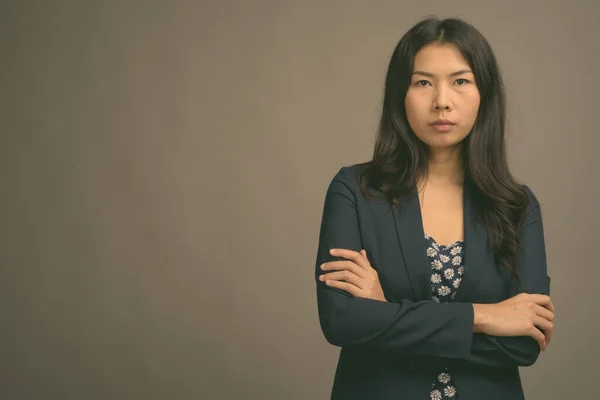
[522, 315]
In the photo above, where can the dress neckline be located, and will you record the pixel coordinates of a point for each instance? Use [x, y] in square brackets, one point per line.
[445, 246]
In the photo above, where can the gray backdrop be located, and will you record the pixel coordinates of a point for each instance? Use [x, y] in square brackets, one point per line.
[164, 166]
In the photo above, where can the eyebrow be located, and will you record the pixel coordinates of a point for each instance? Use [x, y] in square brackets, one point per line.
[462, 71]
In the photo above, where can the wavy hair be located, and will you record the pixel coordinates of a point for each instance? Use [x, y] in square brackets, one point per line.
[400, 158]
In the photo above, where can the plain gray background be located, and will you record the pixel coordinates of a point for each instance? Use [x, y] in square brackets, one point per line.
[164, 166]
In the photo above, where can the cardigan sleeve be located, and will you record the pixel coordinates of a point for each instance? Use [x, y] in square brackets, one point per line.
[422, 328]
[491, 350]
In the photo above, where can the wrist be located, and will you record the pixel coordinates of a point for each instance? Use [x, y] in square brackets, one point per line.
[481, 317]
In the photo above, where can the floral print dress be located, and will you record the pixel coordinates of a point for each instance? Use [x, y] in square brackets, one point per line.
[447, 269]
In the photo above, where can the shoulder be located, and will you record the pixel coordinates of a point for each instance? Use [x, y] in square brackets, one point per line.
[533, 212]
[348, 175]
[346, 182]
[533, 201]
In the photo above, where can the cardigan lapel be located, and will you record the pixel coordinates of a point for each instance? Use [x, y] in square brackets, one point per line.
[476, 243]
[411, 238]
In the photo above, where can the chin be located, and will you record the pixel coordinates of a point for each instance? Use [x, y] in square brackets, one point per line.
[441, 140]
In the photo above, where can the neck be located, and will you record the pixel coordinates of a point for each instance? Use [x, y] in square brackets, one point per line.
[444, 167]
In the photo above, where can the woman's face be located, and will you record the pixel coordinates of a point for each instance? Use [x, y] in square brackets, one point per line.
[441, 77]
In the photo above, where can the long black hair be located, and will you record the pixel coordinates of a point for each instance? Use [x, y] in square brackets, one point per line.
[400, 158]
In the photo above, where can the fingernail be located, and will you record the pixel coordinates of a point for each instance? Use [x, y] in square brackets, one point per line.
[331, 251]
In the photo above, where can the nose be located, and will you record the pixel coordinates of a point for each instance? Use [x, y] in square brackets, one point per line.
[441, 100]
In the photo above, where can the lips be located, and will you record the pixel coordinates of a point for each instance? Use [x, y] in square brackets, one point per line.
[442, 122]
[442, 126]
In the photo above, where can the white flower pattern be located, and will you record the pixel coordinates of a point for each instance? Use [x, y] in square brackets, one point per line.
[436, 278]
[444, 286]
[444, 377]
[450, 391]
[444, 291]
[455, 250]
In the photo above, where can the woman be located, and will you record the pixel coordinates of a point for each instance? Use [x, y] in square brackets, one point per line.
[431, 267]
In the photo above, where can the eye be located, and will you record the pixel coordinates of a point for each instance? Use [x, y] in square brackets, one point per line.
[419, 82]
[464, 80]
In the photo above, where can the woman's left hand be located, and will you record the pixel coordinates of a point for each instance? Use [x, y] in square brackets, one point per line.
[356, 277]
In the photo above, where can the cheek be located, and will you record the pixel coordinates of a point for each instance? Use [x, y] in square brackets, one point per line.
[473, 103]
[413, 107]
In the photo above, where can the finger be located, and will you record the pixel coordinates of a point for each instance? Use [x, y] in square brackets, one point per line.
[548, 336]
[542, 300]
[344, 265]
[539, 337]
[544, 312]
[348, 287]
[352, 255]
[550, 305]
[343, 276]
[542, 323]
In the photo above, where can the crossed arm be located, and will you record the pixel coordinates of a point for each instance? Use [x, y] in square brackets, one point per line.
[421, 328]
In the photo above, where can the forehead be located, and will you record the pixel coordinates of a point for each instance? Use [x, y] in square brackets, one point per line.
[440, 59]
